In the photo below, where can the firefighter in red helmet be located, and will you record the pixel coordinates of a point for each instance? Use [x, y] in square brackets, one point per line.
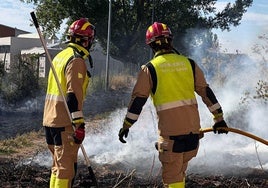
[172, 81]
[71, 69]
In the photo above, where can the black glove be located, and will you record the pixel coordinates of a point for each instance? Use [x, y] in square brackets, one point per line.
[79, 134]
[123, 132]
[217, 127]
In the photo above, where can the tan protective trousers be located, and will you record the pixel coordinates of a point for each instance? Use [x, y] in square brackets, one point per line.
[64, 153]
[174, 165]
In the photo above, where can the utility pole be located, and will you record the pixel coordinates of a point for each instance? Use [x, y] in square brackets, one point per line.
[151, 52]
[108, 47]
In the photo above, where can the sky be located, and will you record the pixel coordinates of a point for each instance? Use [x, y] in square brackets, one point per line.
[253, 24]
[14, 13]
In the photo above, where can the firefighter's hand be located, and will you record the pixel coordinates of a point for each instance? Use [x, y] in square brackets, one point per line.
[218, 125]
[123, 132]
[79, 134]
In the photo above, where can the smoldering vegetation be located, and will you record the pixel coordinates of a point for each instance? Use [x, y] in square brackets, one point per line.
[223, 160]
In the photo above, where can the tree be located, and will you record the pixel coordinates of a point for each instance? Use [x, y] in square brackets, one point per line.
[130, 20]
[2, 69]
[261, 90]
[2, 73]
[21, 82]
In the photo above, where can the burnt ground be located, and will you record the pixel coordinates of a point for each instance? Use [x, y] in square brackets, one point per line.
[33, 175]
[14, 173]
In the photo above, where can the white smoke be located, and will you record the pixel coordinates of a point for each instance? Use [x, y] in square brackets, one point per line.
[217, 153]
[225, 154]
[104, 147]
[139, 151]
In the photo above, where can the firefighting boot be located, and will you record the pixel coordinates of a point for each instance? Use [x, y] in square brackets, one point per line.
[62, 183]
[52, 181]
[177, 185]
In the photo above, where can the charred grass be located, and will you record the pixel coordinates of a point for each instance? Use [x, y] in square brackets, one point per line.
[16, 173]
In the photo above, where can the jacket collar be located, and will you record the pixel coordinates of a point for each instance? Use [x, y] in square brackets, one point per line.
[80, 49]
[161, 52]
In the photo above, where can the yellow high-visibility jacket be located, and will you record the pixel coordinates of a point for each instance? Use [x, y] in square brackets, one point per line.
[175, 82]
[172, 81]
[73, 76]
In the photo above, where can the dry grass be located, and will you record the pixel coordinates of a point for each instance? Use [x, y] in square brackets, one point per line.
[23, 145]
[121, 82]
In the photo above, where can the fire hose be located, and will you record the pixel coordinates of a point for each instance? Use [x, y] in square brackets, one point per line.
[238, 131]
[91, 173]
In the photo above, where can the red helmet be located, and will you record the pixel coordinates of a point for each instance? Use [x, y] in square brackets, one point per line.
[157, 30]
[82, 28]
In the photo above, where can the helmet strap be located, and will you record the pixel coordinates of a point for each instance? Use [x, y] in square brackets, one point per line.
[177, 52]
[80, 41]
[161, 44]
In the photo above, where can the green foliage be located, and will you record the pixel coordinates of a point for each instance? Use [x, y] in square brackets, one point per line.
[21, 82]
[262, 90]
[261, 50]
[97, 83]
[20, 143]
[130, 20]
[2, 72]
[10, 145]
[231, 14]
[2, 69]
[261, 93]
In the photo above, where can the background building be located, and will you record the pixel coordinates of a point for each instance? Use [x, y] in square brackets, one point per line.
[15, 43]
[6, 31]
[10, 47]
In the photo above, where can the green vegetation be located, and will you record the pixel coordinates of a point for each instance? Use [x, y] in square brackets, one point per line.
[2, 68]
[21, 143]
[261, 89]
[130, 20]
[21, 82]
[2, 73]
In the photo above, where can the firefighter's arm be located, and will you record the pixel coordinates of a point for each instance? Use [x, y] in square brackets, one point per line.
[139, 97]
[132, 116]
[209, 98]
[75, 74]
[77, 118]
[77, 115]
